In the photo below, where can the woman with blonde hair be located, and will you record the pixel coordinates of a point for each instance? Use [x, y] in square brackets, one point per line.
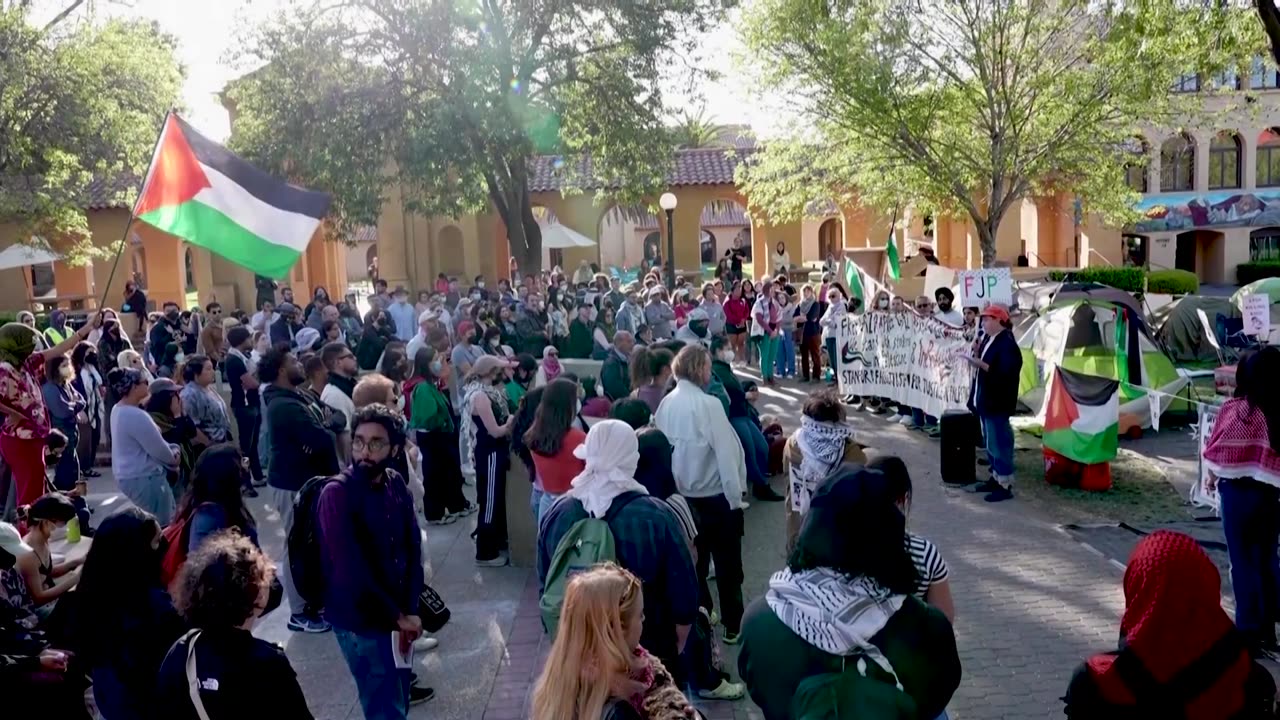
[597, 668]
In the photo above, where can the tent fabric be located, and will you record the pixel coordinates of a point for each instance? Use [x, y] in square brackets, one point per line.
[1081, 337]
[560, 237]
[1038, 297]
[21, 255]
[1179, 329]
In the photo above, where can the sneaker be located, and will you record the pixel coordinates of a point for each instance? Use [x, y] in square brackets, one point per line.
[933, 431]
[911, 424]
[260, 482]
[468, 509]
[303, 624]
[92, 474]
[732, 638]
[714, 617]
[726, 691]
[419, 695]
[986, 486]
[1001, 493]
[447, 519]
[765, 493]
[501, 560]
[425, 644]
[906, 420]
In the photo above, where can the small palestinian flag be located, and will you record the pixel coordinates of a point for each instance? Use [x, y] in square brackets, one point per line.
[199, 191]
[1082, 417]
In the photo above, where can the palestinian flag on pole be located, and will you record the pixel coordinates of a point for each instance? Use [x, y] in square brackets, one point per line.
[853, 279]
[199, 191]
[1082, 416]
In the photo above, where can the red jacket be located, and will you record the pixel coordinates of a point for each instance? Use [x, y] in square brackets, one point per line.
[736, 311]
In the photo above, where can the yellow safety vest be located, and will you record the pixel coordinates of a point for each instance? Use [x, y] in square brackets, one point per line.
[54, 337]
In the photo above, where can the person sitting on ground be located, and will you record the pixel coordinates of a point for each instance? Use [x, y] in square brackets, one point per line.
[932, 584]
[650, 375]
[813, 452]
[648, 538]
[599, 666]
[223, 588]
[835, 602]
[1179, 656]
[552, 442]
[47, 580]
[122, 622]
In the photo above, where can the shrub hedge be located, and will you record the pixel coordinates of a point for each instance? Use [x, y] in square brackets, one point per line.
[1250, 271]
[1172, 282]
[1129, 279]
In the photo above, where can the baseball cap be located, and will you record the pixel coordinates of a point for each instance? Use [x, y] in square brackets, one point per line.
[997, 311]
[287, 308]
[11, 540]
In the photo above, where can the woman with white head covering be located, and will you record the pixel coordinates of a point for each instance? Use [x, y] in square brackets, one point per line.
[611, 453]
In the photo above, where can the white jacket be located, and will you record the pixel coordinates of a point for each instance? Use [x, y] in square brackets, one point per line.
[338, 400]
[707, 458]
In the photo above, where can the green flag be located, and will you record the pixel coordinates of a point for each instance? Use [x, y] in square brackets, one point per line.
[894, 271]
[853, 279]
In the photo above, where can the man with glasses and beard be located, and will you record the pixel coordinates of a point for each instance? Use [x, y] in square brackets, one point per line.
[301, 447]
[370, 541]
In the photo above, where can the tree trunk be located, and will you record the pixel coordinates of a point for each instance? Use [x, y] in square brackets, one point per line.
[987, 240]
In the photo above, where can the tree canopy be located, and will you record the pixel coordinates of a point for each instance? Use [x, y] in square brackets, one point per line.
[451, 101]
[966, 107]
[78, 101]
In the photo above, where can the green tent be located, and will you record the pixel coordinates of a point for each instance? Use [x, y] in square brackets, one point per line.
[1096, 338]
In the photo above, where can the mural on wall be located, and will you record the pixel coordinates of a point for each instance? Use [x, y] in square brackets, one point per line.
[1176, 212]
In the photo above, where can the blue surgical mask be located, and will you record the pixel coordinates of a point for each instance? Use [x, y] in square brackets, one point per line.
[437, 367]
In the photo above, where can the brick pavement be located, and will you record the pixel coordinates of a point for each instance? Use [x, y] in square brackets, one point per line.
[1031, 602]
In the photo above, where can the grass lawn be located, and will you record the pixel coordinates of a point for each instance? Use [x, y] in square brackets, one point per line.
[1139, 493]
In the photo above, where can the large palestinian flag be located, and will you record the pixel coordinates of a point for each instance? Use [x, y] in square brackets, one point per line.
[1082, 416]
[199, 191]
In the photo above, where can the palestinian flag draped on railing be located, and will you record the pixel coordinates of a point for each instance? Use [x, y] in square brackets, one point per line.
[1082, 416]
[199, 191]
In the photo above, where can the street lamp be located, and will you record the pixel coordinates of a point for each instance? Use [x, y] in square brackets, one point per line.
[668, 202]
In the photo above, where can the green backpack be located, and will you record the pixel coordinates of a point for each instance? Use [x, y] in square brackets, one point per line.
[851, 695]
[588, 543]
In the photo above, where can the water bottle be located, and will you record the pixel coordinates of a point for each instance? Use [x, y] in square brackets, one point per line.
[73, 530]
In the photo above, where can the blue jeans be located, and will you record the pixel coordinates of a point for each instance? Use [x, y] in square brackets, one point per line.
[754, 449]
[540, 501]
[151, 493]
[786, 363]
[383, 688]
[1251, 522]
[999, 436]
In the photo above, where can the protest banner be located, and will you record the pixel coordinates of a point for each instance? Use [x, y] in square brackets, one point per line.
[1201, 495]
[904, 357]
[979, 288]
[1256, 309]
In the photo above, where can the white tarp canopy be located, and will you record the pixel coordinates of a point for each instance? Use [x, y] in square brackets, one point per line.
[20, 255]
[559, 237]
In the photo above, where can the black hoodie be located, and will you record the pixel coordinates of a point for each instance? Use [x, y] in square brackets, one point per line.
[300, 447]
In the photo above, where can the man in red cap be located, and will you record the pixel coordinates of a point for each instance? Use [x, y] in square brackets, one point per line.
[994, 397]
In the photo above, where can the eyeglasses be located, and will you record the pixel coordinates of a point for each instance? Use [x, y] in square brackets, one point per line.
[374, 445]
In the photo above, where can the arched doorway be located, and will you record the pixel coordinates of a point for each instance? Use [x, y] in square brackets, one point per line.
[652, 247]
[707, 247]
[1203, 253]
[449, 249]
[830, 241]
[1177, 163]
[371, 255]
[727, 225]
[189, 269]
[616, 238]
[1135, 170]
[1136, 250]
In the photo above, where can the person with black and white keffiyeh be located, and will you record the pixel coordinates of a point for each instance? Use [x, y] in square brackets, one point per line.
[843, 604]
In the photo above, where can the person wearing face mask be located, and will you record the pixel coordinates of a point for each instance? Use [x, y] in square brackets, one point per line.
[222, 590]
[47, 580]
[57, 331]
[88, 381]
[435, 429]
[492, 344]
[484, 444]
[66, 406]
[697, 330]
[579, 343]
[301, 445]
[466, 352]
[402, 316]
[27, 424]
[166, 329]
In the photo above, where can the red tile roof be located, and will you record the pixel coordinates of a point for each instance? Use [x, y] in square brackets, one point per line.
[705, 166]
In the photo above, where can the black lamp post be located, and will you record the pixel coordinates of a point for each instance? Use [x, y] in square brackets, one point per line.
[668, 202]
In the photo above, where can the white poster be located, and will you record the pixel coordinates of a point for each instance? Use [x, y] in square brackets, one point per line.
[1201, 495]
[980, 288]
[1256, 309]
[906, 358]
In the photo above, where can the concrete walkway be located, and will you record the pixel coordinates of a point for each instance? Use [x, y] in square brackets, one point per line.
[1031, 602]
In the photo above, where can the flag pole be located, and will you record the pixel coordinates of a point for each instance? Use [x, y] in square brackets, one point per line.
[142, 188]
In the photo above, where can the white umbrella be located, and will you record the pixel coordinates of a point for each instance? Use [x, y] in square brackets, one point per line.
[20, 255]
[559, 237]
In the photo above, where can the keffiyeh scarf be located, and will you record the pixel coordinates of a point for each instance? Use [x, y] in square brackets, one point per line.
[611, 453]
[467, 432]
[821, 446]
[834, 613]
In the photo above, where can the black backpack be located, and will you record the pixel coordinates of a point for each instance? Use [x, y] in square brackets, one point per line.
[306, 557]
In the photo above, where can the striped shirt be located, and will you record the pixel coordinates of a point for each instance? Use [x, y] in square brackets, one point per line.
[930, 567]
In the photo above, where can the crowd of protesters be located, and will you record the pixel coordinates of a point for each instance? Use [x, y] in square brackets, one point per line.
[625, 404]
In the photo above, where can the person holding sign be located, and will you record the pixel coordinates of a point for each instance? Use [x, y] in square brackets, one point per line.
[994, 397]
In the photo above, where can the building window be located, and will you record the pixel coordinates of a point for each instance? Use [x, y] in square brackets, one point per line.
[1268, 174]
[1263, 76]
[1187, 83]
[1135, 170]
[1264, 244]
[190, 267]
[1224, 161]
[1177, 163]
[1227, 80]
